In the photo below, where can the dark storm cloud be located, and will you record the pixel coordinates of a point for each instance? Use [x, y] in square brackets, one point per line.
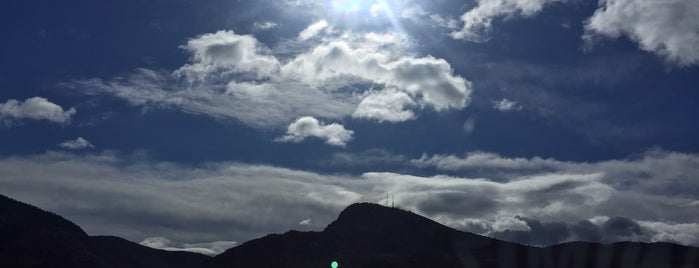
[612, 230]
[585, 230]
[458, 203]
[620, 228]
[546, 233]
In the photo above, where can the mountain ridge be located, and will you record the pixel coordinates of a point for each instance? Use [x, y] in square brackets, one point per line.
[372, 235]
[32, 237]
[363, 235]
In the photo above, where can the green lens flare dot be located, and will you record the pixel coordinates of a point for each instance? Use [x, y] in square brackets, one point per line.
[334, 264]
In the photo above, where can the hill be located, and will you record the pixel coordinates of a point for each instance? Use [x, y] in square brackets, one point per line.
[364, 235]
[31, 237]
[371, 235]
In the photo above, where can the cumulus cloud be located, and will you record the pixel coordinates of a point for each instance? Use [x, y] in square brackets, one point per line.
[428, 81]
[36, 108]
[506, 105]
[386, 105]
[667, 28]
[76, 144]
[235, 77]
[226, 51]
[210, 248]
[305, 127]
[477, 22]
[139, 198]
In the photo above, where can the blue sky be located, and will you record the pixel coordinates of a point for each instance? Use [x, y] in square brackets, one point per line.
[257, 116]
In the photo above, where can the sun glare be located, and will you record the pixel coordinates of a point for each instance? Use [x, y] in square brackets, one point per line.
[348, 6]
[354, 6]
[364, 12]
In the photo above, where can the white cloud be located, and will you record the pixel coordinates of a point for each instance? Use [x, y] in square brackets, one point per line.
[305, 222]
[508, 222]
[313, 30]
[477, 22]
[138, 198]
[506, 105]
[226, 51]
[266, 25]
[444, 22]
[76, 144]
[36, 108]
[211, 248]
[683, 233]
[265, 104]
[668, 28]
[233, 76]
[385, 105]
[656, 172]
[428, 80]
[487, 160]
[418, 14]
[305, 127]
[413, 12]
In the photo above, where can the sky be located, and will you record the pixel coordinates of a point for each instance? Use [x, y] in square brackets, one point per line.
[199, 125]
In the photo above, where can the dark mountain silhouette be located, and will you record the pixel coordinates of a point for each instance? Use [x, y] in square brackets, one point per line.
[364, 235]
[31, 237]
[371, 235]
[120, 252]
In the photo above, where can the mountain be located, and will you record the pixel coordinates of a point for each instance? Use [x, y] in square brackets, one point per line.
[120, 252]
[364, 235]
[31, 237]
[371, 235]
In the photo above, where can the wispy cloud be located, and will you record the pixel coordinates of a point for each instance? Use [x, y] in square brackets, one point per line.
[208, 248]
[266, 25]
[135, 197]
[234, 76]
[506, 105]
[477, 22]
[313, 30]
